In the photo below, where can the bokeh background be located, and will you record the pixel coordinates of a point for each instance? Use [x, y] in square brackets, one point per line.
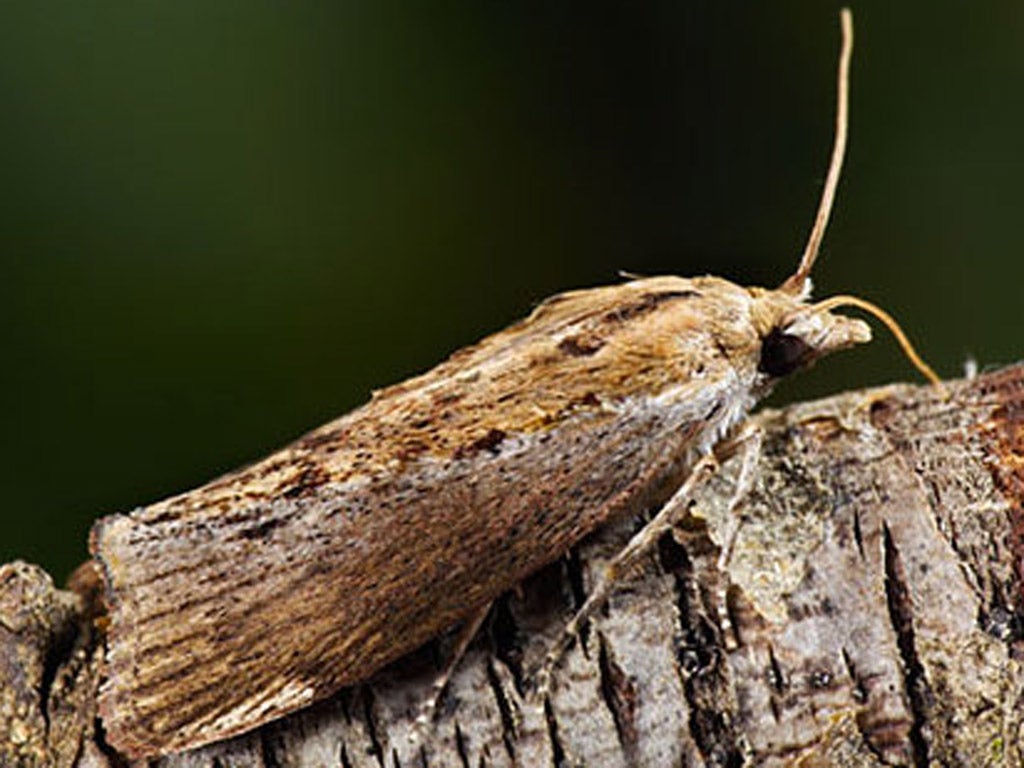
[222, 224]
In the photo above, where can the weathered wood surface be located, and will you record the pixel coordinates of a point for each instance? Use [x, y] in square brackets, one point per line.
[871, 613]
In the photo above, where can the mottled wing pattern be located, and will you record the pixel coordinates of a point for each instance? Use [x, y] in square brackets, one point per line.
[273, 587]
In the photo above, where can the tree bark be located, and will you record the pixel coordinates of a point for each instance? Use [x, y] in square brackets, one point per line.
[870, 612]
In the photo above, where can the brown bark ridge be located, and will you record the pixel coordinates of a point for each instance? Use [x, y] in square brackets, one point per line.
[870, 612]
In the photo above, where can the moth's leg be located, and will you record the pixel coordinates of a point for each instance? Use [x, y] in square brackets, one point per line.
[642, 543]
[465, 636]
[747, 443]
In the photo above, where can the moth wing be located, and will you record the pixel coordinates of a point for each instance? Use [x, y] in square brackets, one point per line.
[275, 586]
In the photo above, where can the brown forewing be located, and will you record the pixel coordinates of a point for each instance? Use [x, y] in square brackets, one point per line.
[272, 587]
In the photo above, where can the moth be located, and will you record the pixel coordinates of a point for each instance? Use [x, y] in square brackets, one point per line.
[276, 585]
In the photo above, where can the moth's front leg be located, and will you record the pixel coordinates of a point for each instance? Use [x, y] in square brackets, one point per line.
[671, 513]
[745, 443]
[467, 632]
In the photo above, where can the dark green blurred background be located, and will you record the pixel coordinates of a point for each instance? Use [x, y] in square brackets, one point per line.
[223, 224]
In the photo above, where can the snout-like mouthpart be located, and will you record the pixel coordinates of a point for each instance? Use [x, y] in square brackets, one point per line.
[800, 339]
[825, 331]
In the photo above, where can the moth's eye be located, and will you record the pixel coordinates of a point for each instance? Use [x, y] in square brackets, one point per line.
[781, 353]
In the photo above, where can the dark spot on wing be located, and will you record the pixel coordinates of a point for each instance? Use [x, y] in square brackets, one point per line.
[582, 345]
[412, 448]
[262, 530]
[304, 482]
[648, 302]
[490, 442]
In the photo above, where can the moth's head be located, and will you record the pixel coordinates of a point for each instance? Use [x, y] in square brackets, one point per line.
[795, 334]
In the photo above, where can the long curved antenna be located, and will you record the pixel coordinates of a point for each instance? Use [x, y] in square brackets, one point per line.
[894, 328]
[798, 283]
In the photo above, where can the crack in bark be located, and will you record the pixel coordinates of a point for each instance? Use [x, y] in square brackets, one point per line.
[700, 662]
[777, 682]
[507, 648]
[557, 750]
[574, 572]
[113, 758]
[901, 616]
[344, 700]
[619, 696]
[858, 533]
[460, 746]
[376, 748]
[860, 691]
[701, 659]
[267, 755]
[508, 729]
